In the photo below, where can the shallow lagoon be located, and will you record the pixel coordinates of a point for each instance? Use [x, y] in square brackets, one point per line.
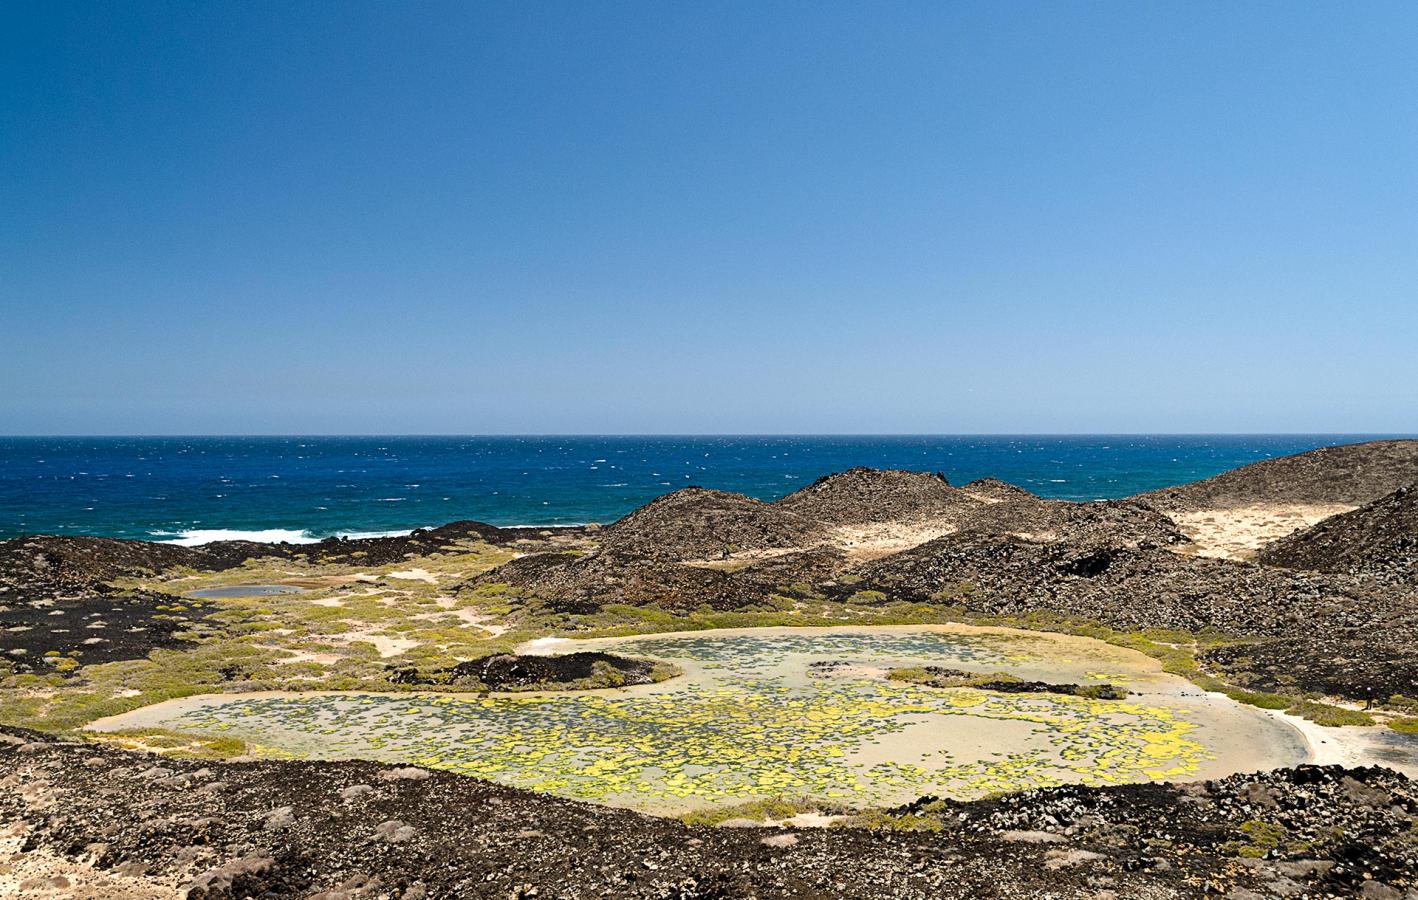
[246, 590]
[751, 718]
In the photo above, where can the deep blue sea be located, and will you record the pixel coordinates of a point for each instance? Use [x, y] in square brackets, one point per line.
[192, 489]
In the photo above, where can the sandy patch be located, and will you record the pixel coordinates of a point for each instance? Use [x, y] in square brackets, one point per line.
[315, 582]
[805, 820]
[873, 541]
[1237, 533]
[300, 656]
[328, 601]
[741, 560]
[416, 575]
[543, 646]
[470, 617]
[386, 645]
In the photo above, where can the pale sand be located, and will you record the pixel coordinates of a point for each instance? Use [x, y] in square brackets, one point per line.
[300, 656]
[742, 559]
[365, 633]
[1239, 532]
[470, 617]
[875, 540]
[805, 820]
[416, 575]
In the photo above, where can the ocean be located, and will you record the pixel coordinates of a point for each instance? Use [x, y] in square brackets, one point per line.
[196, 489]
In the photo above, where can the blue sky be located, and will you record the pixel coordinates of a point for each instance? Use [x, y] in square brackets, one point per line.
[708, 217]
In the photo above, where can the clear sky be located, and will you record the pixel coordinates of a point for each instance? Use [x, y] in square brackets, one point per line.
[708, 217]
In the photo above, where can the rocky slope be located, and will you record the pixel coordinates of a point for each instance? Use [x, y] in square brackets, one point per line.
[1380, 538]
[362, 830]
[860, 495]
[694, 523]
[1349, 474]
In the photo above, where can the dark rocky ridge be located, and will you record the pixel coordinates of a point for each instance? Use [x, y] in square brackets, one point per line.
[364, 830]
[649, 556]
[1349, 474]
[1380, 538]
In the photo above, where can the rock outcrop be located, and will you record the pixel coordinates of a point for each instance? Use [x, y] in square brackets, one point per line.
[1380, 539]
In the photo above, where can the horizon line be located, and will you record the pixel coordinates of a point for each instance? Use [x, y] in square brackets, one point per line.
[711, 434]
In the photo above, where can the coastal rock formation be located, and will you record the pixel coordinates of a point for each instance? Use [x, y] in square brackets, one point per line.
[48, 565]
[1380, 538]
[992, 490]
[1237, 513]
[1124, 522]
[728, 551]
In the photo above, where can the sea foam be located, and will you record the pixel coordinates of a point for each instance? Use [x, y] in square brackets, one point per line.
[198, 536]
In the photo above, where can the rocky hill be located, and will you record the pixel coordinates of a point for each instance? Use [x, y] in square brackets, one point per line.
[1350, 474]
[697, 546]
[695, 523]
[65, 564]
[1379, 538]
[860, 495]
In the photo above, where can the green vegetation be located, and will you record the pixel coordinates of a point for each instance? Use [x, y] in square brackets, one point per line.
[886, 821]
[1329, 715]
[1260, 838]
[737, 732]
[177, 744]
[935, 676]
[1404, 724]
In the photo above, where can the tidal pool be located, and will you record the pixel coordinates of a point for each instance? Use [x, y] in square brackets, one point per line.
[247, 590]
[752, 717]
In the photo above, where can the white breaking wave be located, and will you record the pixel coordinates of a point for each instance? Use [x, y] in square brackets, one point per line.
[198, 536]
[360, 535]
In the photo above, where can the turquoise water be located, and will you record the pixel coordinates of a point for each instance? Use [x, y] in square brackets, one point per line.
[304, 488]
